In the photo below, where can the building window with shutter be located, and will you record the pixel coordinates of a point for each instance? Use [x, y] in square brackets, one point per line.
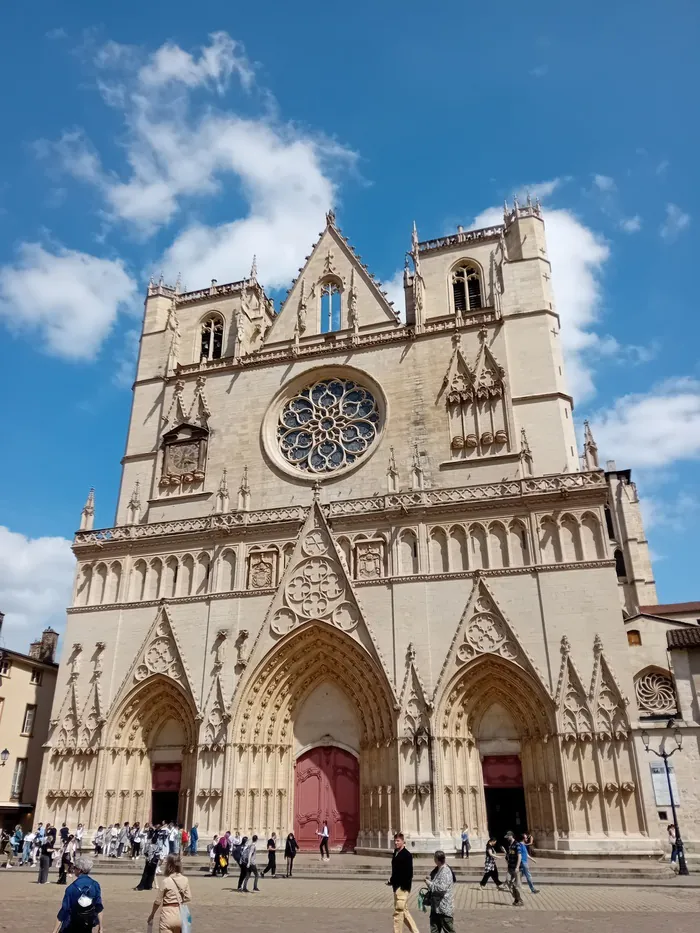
[29, 716]
[466, 288]
[5, 667]
[18, 776]
[36, 676]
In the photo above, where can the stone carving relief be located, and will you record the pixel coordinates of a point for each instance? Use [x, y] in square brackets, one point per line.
[261, 569]
[486, 633]
[161, 655]
[369, 559]
[316, 589]
[655, 693]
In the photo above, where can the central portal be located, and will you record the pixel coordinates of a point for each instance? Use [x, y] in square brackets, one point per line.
[165, 795]
[327, 787]
[505, 797]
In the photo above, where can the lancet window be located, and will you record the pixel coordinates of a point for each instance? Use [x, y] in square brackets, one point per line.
[330, 306]
[466, 288]
[212, 337]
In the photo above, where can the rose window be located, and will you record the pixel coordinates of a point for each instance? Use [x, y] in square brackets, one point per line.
[328, 425]
[655, 693]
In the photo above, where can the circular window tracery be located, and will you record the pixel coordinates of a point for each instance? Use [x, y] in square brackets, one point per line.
[328, 425]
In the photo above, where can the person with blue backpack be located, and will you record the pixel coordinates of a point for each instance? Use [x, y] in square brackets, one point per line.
[81, 910]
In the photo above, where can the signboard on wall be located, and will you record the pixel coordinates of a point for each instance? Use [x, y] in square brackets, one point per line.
[660, 784]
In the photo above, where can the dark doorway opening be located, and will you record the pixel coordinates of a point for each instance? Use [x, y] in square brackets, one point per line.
[505, 810]
[165, 784]
[164, 806]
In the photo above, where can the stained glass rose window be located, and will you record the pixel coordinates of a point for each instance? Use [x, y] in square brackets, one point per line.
[328, 425]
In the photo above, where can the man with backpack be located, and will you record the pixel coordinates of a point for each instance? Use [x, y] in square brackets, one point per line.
[81, 910]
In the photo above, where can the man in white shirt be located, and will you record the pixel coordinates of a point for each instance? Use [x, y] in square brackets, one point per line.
[79, 839]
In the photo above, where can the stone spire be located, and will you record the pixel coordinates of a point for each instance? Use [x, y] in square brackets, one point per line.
[87, 516]
[353, 316]
[525, 453]
[418, 283]
[133, 509]
[222, 494]
[417, 478]
[392, 473]
[254, 269]
[590, 448]
[244, 492]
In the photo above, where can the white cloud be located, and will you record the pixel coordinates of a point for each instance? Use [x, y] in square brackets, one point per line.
[631, 224]
[676, 222]
[539, 71]
[577, 255]
[178, 149]
[604, 182]
[36, 579]
[654, 429]
[125, 359]
[70, 298]
[395, 293]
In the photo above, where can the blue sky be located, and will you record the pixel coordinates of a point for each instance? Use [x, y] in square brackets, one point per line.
[147, 136]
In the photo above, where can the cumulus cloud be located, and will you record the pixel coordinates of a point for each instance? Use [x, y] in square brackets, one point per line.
[71, 299]
[676, 222]
[395, 293]
[36, 579]
[654, 429]
[631, 224]
[178, 148]
[604, 182]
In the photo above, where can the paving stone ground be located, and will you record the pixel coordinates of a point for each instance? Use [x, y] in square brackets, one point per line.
[305, 905]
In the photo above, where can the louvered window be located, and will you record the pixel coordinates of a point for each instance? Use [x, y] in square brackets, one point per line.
[466, 288]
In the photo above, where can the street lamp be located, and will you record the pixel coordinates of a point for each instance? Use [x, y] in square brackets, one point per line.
[4, 755]
[663, 754]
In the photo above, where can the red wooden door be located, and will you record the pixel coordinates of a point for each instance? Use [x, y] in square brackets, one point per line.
[327, 787]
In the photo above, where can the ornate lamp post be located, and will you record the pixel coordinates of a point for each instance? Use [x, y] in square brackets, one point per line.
[664, 755]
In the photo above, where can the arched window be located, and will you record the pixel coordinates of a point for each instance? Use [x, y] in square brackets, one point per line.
[212, 337]
[634, 638]
[330, 306]
[620, 568]
[466, 288]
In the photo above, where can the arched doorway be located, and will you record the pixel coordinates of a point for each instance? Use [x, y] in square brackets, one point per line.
[283, 712]
[152, 751]
[327, 788]
[500, 763]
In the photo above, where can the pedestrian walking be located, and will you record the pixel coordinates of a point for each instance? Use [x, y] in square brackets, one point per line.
[240, 854]
[6, 848]
[211, 852]
[525, 859]
[184, 841]
[17, 839]
[490, 866]
[173, 898]
[82, 907]
[513, 861]
[113, 840]
[466, 845]
[323, 847]
[27, 847]
[194, 838]
[65, 860]
[251, 863]
[271, 856]
[290, 850]
[222, 852]
[441, 884]
[78, 836]
[671, 830]
[123, 840]
[64, 833]
[400, 882]
[46, 851]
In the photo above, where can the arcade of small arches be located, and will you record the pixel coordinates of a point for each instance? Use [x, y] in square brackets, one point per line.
[315, 731]
[454, 548]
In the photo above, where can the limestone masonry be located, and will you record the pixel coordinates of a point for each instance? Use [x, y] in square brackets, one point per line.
[360, 573]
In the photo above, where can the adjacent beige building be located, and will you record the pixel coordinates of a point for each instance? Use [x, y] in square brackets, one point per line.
[360, 573]
[27, 685]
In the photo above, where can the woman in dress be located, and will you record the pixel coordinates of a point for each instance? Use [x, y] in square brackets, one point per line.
[151, 854]
[290, 850]
[66, 859]
[174, 893]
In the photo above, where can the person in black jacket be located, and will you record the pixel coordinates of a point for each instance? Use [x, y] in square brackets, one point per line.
[400, 881]
[290, 851]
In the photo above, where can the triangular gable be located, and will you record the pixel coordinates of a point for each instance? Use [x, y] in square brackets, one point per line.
[489, 376]
[160, 654]
[458, 384]
[332, 259]
[484, 629]
[416, 706]
[199, 412]
[92, 718]
[67, 719]
[316, 587]
[176, 414]
[575, 716]
[607, 700]
[216, 717]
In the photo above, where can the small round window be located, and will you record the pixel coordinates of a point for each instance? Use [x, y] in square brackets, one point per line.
[327, 425]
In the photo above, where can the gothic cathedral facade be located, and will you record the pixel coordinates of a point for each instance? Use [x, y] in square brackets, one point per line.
[359, 571]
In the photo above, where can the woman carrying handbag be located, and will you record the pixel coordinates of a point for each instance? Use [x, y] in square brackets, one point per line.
[173, 899]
